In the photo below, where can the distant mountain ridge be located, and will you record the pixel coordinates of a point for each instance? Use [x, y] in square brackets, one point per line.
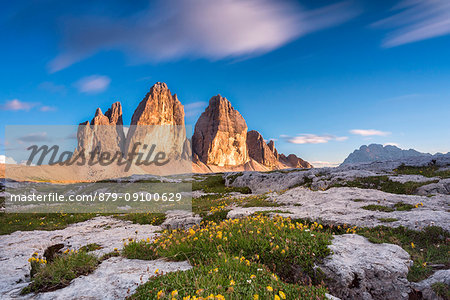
[377, 152]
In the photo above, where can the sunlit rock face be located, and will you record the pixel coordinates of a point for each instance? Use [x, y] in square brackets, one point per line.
[104, 133]
[259, 150]
[293, 161]
[220, 135]
[158, 119]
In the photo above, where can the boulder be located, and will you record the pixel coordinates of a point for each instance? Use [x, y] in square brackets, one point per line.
[358, 269]
[425, 288]
[441, 187]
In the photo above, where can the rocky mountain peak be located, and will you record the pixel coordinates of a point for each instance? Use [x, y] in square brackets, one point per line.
[259, 150]
[159, 107]
[220, 135]
[271, 145]
[113, 116]
[104, 138]
[378, 152]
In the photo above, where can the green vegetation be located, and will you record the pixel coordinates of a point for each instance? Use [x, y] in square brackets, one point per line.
[387, 220]
[375, 207]
[216, 184]
[399, 206]
[91, 247]
[215, 207]
[60, 272]
[244, 255]
[143, 218]
[383, 183]
[307, 182]
[427, 247]
[216, 216]
[441, 289]
[10, 222]
[109, 255]
[232, 178]
[228, 278]
[427, 171]
[357, 200]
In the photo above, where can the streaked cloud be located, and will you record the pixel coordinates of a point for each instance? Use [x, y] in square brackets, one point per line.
[93, 84]
[369, 132]
[16, 104]
[312, 139]
[194, 108]
[416, 20]
[174, 29]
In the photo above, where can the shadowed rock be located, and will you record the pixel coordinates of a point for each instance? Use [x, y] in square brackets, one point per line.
[104, 132]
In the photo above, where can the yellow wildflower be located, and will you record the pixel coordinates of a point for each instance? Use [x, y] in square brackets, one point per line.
[269, 288]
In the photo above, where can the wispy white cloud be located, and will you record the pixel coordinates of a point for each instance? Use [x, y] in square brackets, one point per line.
[312, 139]
[416, 20]
[16, 104]
[369, 132]
[173, 29]
[93, 84]
[194, 108]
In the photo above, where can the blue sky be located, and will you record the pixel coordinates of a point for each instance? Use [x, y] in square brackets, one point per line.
[320, 77]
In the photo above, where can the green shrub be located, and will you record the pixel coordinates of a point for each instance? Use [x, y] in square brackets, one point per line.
[216, 184]
[61, 271]
[375, 207]
[281, 245]
[441, 289]
[427, 171]
[229, 278]
[383, 183]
